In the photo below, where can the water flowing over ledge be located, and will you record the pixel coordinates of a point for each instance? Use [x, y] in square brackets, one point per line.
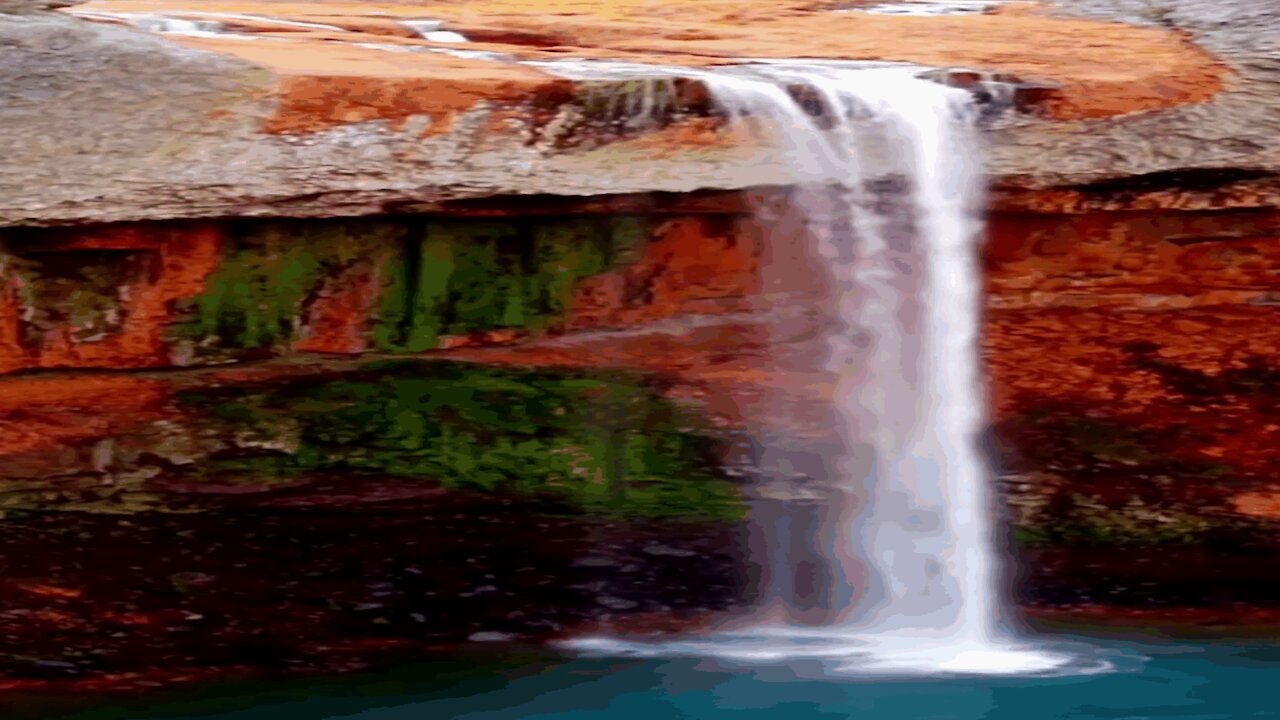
[903, 570]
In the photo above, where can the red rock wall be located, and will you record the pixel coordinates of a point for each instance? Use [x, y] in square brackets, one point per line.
[1132, 353]
[1048, 275]
[123, 297]
[159, 265]
[691, 265]
[1135, 359]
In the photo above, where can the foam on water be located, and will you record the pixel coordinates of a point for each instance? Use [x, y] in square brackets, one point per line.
[267, 20]
[466, 54]
[870, 655]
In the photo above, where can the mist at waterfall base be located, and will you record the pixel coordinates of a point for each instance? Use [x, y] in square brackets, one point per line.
[907, 562]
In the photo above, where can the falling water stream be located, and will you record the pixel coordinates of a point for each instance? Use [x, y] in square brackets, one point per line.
[911, 565]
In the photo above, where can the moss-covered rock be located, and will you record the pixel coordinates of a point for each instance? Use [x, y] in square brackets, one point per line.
[597, 441]
[427, 279]
[272, 272]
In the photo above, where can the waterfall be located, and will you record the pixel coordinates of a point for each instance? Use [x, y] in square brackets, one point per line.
[907, 543]
[904, 342]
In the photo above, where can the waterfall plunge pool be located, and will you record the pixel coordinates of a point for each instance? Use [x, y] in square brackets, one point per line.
[1166, 679]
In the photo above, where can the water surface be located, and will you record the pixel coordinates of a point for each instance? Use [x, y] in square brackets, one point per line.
[1166, 679]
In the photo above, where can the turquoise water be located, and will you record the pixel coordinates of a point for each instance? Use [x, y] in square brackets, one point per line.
[1182, 680]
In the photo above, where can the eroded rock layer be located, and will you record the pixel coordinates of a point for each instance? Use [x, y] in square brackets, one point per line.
[1151, 330]
[200, 293]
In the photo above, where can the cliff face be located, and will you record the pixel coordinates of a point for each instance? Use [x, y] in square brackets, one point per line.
[1131, 352]
[230, 232]
[431, 186]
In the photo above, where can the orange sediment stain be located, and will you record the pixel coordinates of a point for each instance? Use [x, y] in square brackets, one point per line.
[322, 84]
[39, 413]
[51, 591]
[178, 260]
[339, 320]
[13, 356]
[1265, 504]
[690, 265]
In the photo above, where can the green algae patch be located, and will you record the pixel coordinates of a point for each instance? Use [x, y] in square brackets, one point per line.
[271, 273]
[598, 442]
[469, 276]
[431, 279]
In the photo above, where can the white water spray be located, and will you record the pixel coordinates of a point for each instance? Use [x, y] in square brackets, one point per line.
[910, 554]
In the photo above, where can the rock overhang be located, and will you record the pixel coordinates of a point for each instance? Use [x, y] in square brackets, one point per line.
[346, 109]
[1125, 69]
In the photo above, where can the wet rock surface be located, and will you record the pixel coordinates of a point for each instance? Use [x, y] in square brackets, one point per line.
[302, 582]
[606, 444]
[290, 548]
[262, 524]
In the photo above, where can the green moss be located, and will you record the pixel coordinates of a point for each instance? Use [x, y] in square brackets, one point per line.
[436, 278]
[463, 277]
[462, 273]
[396, 279]
[1119, 483]
[431, 293]
[566, 252]
[260, 293]
[255, 297]
[627, 237]
[600, 442]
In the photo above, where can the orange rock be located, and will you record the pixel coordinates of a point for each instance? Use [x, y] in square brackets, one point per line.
[691, 265]
[178, 259]
[338, 320]
[1132, 258]
[322, 83]
[1104, 68]
[1258, 504]
[38, 413]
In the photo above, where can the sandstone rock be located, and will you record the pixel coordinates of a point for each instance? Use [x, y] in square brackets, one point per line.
[305, 122]
[20, 7]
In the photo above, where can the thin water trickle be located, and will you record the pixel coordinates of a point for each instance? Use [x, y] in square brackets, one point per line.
[907, 560]
[431, 30]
